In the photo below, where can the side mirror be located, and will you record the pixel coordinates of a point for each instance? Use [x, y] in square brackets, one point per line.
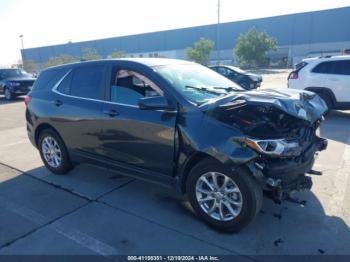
[155, 103]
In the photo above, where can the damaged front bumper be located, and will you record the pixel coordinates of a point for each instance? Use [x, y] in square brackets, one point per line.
[280, 177]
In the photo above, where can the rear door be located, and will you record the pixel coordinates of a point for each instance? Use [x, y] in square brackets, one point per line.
[77, 105]
[320, 75]
[140, 138]
[340, 80]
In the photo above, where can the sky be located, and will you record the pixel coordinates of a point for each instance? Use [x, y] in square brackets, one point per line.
[49, 22]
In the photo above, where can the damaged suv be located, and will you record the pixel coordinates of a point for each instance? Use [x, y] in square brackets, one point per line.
[178, 124]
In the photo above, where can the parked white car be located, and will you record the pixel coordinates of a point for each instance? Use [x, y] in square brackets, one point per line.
[328, 76]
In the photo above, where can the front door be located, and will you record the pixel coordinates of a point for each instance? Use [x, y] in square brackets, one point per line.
[141, 138]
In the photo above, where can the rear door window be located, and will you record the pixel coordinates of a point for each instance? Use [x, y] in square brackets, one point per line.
[85, 82]
[324, 68]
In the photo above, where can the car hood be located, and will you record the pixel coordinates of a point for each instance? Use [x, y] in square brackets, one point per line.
[299, 104]
[255, 76]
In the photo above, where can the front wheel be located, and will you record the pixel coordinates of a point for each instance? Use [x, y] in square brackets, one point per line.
[326, 98]
[225, 199]
[53, 152]
[8, 94]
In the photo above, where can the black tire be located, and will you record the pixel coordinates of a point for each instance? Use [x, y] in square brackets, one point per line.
[328, 100]
[251, 194]
[65, 164]
[8, 94]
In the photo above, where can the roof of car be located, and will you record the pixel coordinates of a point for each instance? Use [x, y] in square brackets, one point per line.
[156, 61]
[327, 58]
[151, 62]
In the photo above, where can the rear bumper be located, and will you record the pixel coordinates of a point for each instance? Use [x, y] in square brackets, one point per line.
[31, 135]
[30, 128]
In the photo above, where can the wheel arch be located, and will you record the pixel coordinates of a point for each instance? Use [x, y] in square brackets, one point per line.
[40, 128]
[189, 164]
[323, 90]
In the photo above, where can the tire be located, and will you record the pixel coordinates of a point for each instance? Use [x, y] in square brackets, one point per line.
[8, 94]
[250, 196]
[50, 137]
[328, 100]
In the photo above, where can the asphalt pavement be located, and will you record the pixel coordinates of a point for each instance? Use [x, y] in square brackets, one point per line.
[96, 211]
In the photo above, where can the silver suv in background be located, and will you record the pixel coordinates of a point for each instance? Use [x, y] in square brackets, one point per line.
[328, 76]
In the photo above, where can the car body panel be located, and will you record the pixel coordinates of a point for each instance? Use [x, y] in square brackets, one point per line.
[17, 85]
[339, 84]
[159, 145]
[245, 79]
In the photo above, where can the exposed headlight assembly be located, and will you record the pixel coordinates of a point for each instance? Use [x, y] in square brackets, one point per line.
[274, 147]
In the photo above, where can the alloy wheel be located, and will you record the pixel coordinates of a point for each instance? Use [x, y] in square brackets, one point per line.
[7, 94]
[219, 196]
[51, 151]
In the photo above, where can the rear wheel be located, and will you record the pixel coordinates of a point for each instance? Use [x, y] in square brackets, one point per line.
[53, 152]
[8, 94]
[227, 200]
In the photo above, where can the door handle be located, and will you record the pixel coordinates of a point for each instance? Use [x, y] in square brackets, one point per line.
[111, 112]
[58, 102]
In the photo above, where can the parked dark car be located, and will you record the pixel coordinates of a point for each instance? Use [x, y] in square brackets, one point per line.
[15, 82]
[181, 125]
[246, 80]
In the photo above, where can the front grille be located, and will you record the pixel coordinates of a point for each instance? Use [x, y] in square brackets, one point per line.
[26, 84]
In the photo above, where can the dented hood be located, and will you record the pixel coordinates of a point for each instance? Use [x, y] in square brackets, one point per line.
[300, 104]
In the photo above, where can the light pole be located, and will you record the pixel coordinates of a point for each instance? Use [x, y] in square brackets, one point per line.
[22, 43]
[218, 36]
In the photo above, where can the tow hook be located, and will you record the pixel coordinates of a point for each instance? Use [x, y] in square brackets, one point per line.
[314, 172]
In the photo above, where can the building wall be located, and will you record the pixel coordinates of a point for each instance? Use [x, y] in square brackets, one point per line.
[297, 36]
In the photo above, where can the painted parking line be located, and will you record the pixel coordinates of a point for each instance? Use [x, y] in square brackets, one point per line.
[336, 203]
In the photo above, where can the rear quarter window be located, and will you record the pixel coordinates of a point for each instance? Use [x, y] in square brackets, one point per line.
[48, 78]
[300, 65]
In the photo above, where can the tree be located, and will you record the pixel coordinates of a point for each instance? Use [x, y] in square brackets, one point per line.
[89, 53]
[60, 60]
[252, 46]
[118, 54]
[201, 51]
[29, 66]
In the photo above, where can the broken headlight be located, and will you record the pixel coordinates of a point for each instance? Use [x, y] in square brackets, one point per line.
[275, 147]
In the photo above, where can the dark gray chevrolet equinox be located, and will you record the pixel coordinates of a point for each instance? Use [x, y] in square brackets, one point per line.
[178, 124]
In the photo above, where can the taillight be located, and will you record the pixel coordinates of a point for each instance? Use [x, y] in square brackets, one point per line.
[27, 100]
[293, 75]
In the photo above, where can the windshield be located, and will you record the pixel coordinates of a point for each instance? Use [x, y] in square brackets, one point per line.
[238, 70]
[12, 73]
[197, 83]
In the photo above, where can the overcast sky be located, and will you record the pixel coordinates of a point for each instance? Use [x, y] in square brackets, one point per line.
[48, 22]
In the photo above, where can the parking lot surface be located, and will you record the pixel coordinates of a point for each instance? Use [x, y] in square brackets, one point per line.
[96, 211]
